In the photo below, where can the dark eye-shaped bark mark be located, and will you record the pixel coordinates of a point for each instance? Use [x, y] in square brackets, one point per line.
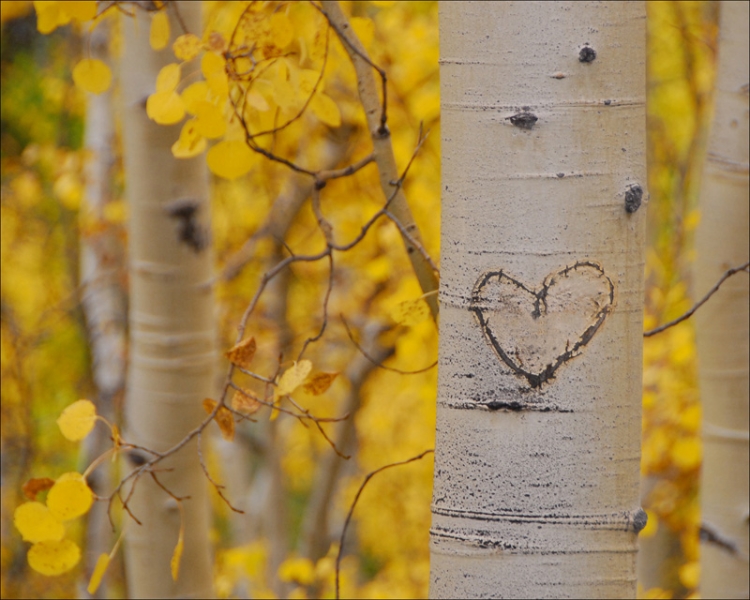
[535, 332]
[189, 231]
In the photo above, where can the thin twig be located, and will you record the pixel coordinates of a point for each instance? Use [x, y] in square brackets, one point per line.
[356, 498]
[701, 302]
[375, 362]
[217, 486]
[711, 535]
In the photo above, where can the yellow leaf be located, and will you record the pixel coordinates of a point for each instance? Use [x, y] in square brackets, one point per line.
[187, 46]
[195, 92]
[53, 557]
[230, 159]
[686, 453]
[690, 418]
[70, 497]
[159, 36]
[257, 101]
[285, 95]
[282, 31]
[92, 75]
[293, 377]
[219, 85]
[383, 3]
[49, 16]
[168, 78]
[223, 417]
[242, 354]
[96, 577]
[245, 402]
[177, 555]
[690, 574]
[210, 120]
[165, 108]
[36, 485]
[319, 383]
[326, 110]
[299, 570]
[411, 312]
[77, 420]
[80, 10]
[36, 523]
[212, 64]
[190, 143]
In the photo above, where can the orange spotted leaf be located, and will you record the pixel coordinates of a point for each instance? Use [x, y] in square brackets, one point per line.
[37, 485]
[245, 402]
[319, 383]
[242, 354]
[223, 418]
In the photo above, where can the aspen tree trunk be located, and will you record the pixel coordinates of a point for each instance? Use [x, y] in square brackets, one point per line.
[103, 299]
[539, 387]
[723, 324]
[172, 336]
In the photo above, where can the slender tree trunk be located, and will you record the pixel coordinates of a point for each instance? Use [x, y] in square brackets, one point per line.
[723, 324]
[539, 388]
[103, 299]
[172, 336]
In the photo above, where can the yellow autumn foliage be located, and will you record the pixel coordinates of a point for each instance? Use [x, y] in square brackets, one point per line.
[77, 420]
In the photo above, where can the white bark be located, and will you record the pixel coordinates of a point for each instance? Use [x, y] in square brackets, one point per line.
[103, 299]
[539, 387]
[723, 324]
[172, 337]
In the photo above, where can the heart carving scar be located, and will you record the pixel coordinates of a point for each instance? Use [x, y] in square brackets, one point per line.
[535, 331]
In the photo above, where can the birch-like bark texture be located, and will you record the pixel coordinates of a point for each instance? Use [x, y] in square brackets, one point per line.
[103, 299]
[172, 332]
[539, 387]
[723, 324]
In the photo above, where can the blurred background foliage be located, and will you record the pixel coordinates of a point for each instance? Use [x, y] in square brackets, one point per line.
[44, 348]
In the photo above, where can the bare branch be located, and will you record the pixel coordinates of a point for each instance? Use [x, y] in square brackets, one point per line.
[376, 362]
[354, 503]
[711, 535]
[701, 302]
[382, 147]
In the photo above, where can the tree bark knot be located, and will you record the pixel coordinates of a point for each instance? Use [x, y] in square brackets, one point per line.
[535, 332]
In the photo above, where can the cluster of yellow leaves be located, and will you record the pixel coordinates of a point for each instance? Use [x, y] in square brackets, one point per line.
[52, 14]
[90, 75]
[681, 72]
[68, 498]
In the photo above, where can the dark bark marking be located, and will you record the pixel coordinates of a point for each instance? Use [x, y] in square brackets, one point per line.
[524, 120]
[633, 197]
[587, 54]
[185, 212]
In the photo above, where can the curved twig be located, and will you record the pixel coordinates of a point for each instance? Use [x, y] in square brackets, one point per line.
[354, 503]
[701, 302]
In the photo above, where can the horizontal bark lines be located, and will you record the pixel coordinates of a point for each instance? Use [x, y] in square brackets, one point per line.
[543, 126]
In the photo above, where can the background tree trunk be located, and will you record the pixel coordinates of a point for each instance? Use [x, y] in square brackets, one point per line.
[723, 324]
[539, 386]
[172, 336]
[102, 273]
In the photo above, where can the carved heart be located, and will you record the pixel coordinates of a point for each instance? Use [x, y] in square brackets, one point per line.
[535, 332]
